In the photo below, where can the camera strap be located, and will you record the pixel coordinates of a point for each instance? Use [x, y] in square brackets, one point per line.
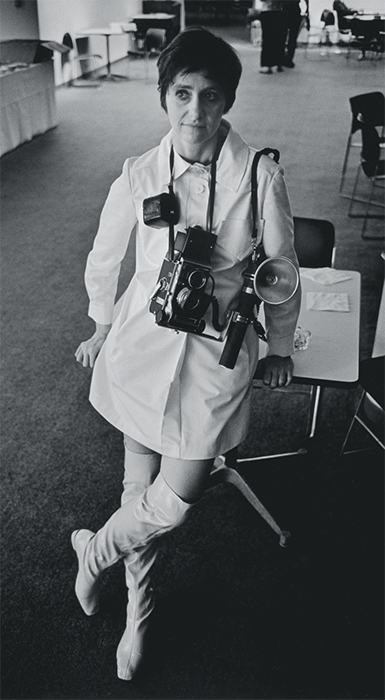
[258, 244]
[171, 230]
[210, 209]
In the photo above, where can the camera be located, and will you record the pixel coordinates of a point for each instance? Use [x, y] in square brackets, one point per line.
[180, 300]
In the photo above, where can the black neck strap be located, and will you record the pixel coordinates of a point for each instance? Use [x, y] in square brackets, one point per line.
[171, 236]
[210, 208]
[258, 244]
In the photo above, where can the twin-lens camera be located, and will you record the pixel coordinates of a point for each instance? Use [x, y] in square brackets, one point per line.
[180, 300]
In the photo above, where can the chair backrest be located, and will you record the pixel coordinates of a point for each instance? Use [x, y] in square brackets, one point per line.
[67, 40]
[371, 107]
[371, 148]
[365, 29]
[155, 40]
[327, 18]
[314, 242]
[342, 10]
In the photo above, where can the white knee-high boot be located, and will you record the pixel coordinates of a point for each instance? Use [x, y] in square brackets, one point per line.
[137, 523]
[140, 470]
[138, 564]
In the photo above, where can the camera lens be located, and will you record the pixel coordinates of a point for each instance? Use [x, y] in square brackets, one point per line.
[197, 279]
[187, 300]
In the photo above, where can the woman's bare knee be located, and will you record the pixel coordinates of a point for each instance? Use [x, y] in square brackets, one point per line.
[137, 447]
[187, 478]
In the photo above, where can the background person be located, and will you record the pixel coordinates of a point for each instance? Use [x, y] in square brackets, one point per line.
[273, 25]
[293, 18]
[177, 407]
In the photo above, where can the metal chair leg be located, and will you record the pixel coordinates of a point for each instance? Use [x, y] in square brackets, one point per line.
[344, 167]
[223, 474]
[366, 217]
[352, 199]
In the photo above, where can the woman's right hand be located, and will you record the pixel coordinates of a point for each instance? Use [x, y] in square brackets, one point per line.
[88, 350]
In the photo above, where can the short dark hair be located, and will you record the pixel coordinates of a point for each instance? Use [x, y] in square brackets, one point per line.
[196, 50]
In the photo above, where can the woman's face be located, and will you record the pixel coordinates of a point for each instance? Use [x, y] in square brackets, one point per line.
[195, 106]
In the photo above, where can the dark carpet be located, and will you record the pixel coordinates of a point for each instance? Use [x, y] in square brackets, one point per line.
[237, 615]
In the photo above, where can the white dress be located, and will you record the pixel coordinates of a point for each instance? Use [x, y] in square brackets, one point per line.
[166, 389]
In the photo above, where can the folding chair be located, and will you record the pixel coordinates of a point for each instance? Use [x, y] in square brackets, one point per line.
[368, 107]
[373, 167]
[88, 64]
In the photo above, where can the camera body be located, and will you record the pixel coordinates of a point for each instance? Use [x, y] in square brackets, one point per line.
[180, 300]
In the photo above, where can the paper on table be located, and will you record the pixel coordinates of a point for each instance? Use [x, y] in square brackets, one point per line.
[324, 275]
[321, 301]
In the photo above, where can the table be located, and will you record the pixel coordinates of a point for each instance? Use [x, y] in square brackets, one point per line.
[155, 20]
[106, 32]
[332, 359]
[367, 17]
[28, 104]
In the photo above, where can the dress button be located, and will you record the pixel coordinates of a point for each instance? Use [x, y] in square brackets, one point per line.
[200, 189]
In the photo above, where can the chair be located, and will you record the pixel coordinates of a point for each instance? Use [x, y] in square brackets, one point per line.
[328, 20]
[85, 63]
[314, 242]
[314, 245]
[373, 168]
[343, 20]
[255, 32]
[153, 43]
[322, 34]
[368, 107]
[170, 7]
[370, 410]
[365, 36]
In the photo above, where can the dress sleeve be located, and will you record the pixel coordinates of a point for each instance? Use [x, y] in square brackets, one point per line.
[278, 237]
[117, 221]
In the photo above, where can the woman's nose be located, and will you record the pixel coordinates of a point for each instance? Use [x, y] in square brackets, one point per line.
[196, 110]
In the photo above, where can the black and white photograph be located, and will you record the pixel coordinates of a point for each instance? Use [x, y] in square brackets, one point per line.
[192, 349]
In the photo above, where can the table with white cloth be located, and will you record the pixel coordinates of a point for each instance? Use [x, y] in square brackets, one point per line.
[330, 360]
[28, 104]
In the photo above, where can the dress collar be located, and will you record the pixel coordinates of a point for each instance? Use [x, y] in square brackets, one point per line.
[231, 166]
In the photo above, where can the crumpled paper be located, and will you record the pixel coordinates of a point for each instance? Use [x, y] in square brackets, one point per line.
[324, 275]
[327, 301]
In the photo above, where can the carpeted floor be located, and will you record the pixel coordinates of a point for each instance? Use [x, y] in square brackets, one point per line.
[237, 616]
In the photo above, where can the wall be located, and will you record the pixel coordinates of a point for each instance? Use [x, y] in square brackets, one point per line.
[56, 17]
[18, 22]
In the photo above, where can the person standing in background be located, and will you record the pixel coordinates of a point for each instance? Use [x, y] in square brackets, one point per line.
[273, 24]
[293, 17]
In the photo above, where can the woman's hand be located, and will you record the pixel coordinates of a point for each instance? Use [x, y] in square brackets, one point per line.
[277, 371]
[88, 351]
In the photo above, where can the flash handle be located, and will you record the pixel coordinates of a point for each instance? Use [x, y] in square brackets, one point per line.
[241, 319]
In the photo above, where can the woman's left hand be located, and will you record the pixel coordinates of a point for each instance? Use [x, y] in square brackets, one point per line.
[277, 371]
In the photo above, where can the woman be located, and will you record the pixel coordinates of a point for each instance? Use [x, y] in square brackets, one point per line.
[177, 407]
